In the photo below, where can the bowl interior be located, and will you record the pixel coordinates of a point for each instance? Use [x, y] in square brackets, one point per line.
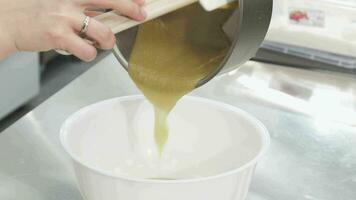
[207, 138]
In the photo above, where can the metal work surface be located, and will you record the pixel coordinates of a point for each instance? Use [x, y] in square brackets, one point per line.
[312, 154]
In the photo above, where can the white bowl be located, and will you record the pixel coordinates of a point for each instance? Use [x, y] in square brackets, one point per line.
[211, 153]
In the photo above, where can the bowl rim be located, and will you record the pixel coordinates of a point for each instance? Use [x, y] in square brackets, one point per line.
[263, 133]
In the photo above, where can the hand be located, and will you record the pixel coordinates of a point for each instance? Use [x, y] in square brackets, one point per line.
[41, 25]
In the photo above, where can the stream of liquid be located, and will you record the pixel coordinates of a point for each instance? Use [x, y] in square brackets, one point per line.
[173, 53]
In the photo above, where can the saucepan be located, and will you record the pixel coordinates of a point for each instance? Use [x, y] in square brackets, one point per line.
[246, 29]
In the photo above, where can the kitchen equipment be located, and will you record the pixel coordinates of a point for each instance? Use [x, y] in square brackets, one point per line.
[322, 31]
[98, 139]
[246, 29]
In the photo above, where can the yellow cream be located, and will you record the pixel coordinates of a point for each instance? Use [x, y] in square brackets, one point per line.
[172, 53]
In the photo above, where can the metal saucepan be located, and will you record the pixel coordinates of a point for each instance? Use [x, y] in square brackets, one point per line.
[247, 29]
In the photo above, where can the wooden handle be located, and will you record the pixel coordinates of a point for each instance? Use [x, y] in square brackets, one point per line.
[153, 8]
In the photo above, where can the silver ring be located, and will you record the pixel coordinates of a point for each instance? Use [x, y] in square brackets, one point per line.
[81, 33]
[85, 25]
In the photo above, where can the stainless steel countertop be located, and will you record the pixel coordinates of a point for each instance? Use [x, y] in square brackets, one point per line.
[312, 154]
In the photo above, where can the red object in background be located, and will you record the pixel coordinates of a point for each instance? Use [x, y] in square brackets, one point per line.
[298, 15]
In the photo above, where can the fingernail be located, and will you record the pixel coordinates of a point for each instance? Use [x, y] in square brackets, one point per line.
[91, 59]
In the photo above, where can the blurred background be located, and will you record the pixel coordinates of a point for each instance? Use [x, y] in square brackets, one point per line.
[312, 35]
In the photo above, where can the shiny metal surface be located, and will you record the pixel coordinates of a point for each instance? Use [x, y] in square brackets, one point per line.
[246, 27]
[311, 157]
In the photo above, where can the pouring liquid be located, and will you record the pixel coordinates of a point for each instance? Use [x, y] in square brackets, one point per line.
[173, 53]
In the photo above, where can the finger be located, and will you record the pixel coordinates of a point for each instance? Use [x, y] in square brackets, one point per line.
[78, 47]
[125, 7]
[102, 35]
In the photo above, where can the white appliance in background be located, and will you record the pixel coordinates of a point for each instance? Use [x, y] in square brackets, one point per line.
[19, 81]
[322, 30]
